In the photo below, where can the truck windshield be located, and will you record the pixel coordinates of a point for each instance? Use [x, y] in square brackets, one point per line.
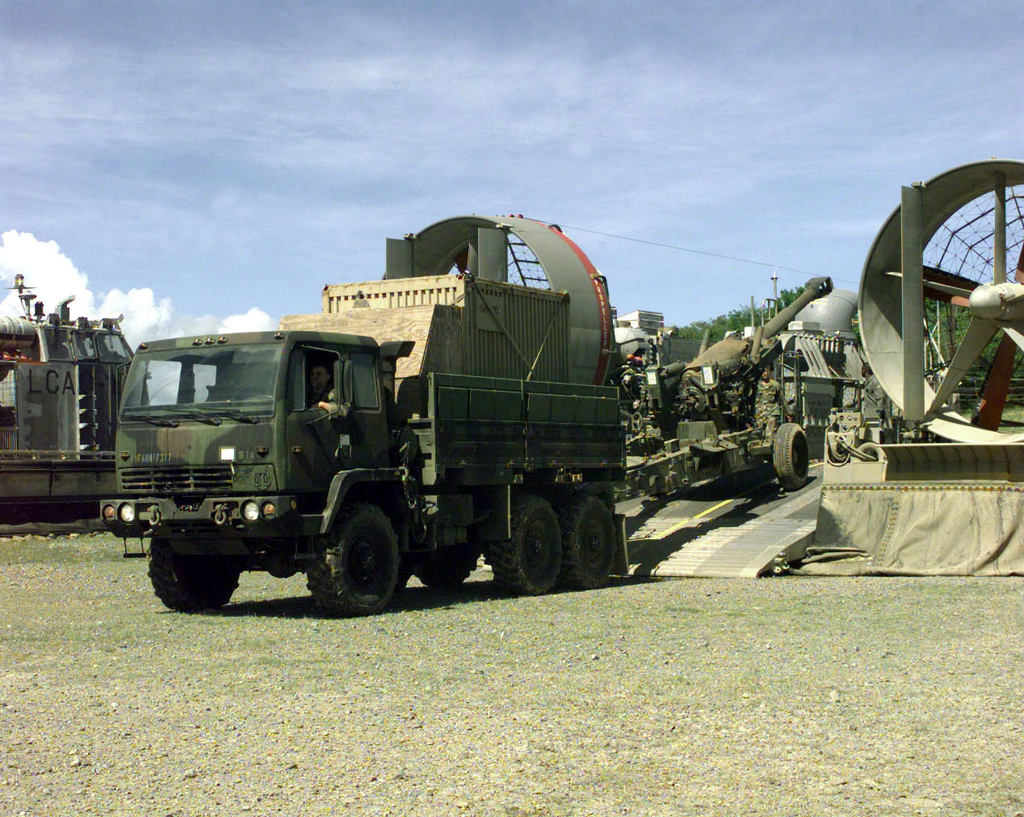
[234, 382]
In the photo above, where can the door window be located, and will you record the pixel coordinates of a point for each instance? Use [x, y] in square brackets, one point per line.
[364, 382]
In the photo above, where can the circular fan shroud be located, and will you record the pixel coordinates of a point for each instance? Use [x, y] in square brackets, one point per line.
[443, 246]
[881, 301]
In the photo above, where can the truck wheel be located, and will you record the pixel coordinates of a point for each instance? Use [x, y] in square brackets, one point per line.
[447, 567]
[588, 543]
[529, 562]
[790, 456]
[189, 584]
[355, 574]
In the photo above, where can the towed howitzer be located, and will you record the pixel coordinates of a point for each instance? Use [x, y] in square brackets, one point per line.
[720, 412]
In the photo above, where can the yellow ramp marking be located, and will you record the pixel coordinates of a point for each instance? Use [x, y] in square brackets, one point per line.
[683, 523]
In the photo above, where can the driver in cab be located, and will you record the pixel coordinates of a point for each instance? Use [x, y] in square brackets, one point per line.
[321, 393]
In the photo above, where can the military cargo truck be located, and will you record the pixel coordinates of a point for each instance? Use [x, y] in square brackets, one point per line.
[465, 416]
[226, 462]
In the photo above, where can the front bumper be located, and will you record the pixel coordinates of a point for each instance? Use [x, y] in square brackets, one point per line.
[249, 517]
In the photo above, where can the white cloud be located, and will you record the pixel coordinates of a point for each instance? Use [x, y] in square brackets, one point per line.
[53, 277]
[49, 273]
[253, 320]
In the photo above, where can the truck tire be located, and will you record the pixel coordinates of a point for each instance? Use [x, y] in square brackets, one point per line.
[528, 563]
[790, 456]
[447, 567]
[189, 584]
[588, 543]
[355, 574]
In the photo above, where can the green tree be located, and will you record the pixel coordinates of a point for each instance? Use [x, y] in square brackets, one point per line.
[734, 320]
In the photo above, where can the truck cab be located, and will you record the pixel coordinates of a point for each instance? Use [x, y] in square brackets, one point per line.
[222, 448]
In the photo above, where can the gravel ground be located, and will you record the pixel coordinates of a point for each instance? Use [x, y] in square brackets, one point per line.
[792, 696]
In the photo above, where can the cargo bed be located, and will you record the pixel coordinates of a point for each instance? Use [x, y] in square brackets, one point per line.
[482, 430]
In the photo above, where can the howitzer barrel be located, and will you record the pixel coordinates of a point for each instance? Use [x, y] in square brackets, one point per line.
[675, 368]
[815, 288]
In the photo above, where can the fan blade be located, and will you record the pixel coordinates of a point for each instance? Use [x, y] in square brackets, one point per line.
[973, 344]
[1018, 338]
[997, 385]
[937, 290]
[999, 232]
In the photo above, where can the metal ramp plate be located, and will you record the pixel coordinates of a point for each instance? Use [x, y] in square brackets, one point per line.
[658, 527]
[744, 551]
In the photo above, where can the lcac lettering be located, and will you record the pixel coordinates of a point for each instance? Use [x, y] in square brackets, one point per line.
[49, 382]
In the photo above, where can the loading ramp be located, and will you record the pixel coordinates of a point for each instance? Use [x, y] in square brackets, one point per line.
[708, 533]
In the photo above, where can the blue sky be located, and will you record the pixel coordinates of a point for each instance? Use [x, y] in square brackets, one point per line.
[228, 159]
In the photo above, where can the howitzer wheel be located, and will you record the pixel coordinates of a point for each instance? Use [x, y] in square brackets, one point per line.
[529, 562]
[356, 572]
[940, 319]
[189, 584]
[588, 543]
[791, 456]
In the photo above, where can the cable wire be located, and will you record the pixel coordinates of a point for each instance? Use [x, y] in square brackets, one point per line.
[698, 252]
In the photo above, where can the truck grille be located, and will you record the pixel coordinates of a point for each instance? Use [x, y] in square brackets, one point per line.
[181, 479]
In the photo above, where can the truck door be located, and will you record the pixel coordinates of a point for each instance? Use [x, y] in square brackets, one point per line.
[367, 418]
[321, 442]
[312, 438]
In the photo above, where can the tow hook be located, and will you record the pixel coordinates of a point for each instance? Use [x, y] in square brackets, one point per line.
[220, 515]
[152, 515]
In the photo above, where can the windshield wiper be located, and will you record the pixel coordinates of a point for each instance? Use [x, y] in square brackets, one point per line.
[238, 416]
[199, 416]
[202, 417]
[158, 421]
[212, 418]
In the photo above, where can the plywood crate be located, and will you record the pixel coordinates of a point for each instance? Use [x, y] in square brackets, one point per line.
[459, 326]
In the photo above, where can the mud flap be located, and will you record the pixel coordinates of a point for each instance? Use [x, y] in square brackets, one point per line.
[620, 567]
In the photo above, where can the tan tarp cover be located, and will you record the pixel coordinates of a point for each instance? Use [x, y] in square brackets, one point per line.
[966, 529]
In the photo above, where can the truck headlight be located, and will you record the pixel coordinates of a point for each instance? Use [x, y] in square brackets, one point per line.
[126, 513]
[269, 510]
[250, 511]
[108, 513]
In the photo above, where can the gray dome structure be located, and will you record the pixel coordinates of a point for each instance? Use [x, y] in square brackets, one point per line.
[833, 313]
